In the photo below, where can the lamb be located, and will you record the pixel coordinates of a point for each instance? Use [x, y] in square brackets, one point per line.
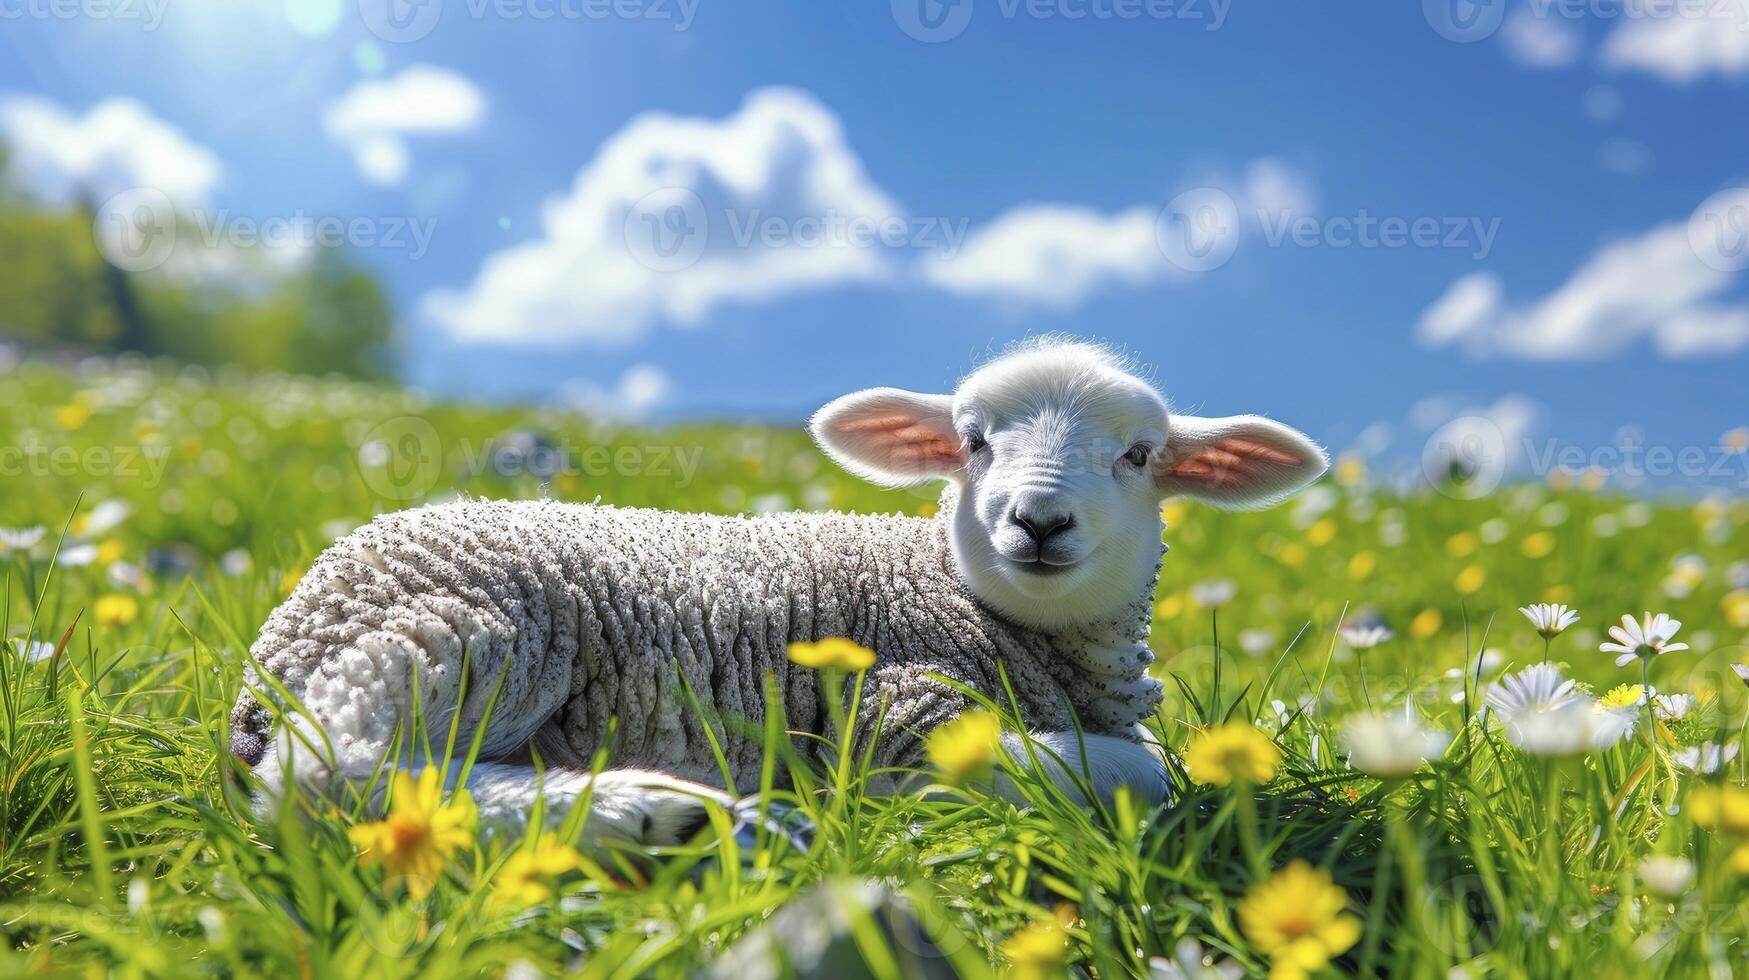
[606, 624]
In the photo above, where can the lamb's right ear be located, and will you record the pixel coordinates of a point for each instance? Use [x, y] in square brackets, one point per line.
[891, 437]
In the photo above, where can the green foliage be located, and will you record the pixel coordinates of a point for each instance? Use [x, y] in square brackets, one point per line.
[58, 291]
[126, 848]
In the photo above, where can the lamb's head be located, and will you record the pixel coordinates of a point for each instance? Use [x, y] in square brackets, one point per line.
[1062, 456]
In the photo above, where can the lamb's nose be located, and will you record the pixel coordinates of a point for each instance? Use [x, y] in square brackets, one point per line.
[1039, 526]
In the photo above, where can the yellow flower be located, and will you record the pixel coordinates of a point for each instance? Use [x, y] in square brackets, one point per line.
[290, 580]
[1736, 440]
[1229, 752]
[1461, 545]
[1321, 533]
[1296, 918]
[1720, 807]
[1559, 594]
[72, 415]
[1350, 470]
[927, 509]
[1560, 478]
[1425, 624]
[1470, 580]
[1735, 606]
[110, 552]
[834, 651]
[1035, 950]
[1592, 479]
[1538, 545]
[528, 876]
[1740, 859]
[1622, 696]
[1362, 565]
[966, 745]
[116, 609]
[1170, 607]
[1172, 512]
[1292, 554]
[420, 833]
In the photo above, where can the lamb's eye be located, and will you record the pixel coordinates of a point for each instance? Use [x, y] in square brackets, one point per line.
[975, 442]
[1137, 456]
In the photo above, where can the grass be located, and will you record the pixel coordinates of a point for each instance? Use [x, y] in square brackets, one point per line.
[127, 846]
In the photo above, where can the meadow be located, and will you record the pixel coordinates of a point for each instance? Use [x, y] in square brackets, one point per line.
[1337, 695]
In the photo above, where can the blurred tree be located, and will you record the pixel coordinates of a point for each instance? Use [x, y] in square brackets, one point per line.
[322, 313]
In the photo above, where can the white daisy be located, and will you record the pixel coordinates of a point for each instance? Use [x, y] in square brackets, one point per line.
[1649, 639]
[1707, 758]
[20, 539]
[1365, 636]
[1214, 593]
[1390, 746]
[1616, 715]
[1543, 712]
[1189, 962]
[1256, 641]
[1666, 875]
[77, 556]
[1549, 618]
[1742, 672]
[34, 651]
[105, 516]
[1672, 707]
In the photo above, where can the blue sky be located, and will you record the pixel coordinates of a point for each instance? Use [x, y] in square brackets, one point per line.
[1581, 137]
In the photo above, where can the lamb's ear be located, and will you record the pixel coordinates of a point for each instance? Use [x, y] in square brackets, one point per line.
[891, 437]
[1240, 462]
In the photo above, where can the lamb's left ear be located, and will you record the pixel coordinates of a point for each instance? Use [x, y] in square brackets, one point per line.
[1239, 462]
[891, 437]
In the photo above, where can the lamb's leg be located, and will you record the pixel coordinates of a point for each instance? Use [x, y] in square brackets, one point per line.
[1107, 764]
[349, 721]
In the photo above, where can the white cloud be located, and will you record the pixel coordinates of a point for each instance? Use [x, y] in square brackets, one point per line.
[118, 145]
[1686, 42]
[1648, 288]
[1541, 40]
[676, 216]
[375, 118]
[1059, 254]
[1054, 254]
[641, 389]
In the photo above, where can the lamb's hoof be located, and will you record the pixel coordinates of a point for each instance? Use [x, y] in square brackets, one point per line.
[780, 820]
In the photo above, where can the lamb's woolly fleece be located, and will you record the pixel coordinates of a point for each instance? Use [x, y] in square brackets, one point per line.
[595, 607]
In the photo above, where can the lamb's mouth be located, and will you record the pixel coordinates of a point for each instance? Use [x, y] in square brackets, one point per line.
[1042, 567]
